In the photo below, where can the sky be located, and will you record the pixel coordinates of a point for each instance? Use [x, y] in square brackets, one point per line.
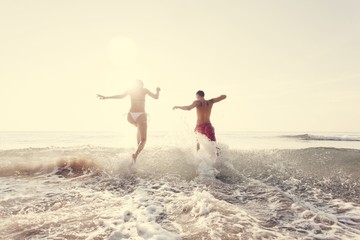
[284, 65]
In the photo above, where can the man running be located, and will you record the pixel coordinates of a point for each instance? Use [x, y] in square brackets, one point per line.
[203, 111]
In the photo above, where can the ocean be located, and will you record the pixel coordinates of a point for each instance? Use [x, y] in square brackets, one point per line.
[250, 185]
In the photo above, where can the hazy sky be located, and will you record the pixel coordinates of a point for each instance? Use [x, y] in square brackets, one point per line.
[285, 65]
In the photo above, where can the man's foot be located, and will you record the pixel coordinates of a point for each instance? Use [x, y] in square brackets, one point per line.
[218, 151]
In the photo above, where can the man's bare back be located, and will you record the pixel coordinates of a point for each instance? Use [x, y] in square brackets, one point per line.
[203, 110]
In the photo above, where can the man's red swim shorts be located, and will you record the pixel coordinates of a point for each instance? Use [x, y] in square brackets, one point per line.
[207, 129]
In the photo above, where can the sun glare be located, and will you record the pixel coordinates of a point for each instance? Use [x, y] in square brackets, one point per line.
[122, 51]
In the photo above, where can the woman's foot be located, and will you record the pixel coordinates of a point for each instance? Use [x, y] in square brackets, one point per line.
[134, 156]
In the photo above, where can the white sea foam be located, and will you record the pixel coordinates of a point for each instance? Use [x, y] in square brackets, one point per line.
[93, 192]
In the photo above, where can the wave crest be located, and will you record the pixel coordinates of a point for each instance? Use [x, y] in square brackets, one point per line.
[76, 167]
[310, 137]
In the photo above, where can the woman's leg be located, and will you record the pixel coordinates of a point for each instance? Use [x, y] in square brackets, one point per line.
[141, 135]
[131, 119]
[138, 136]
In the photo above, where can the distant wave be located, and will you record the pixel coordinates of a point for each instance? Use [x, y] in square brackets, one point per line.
[310, 137]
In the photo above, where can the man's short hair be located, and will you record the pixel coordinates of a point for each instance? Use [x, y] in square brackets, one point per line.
[200, 93]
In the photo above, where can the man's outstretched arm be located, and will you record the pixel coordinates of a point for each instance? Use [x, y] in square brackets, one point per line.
[113, 97]
[218, 99]
[187, 108]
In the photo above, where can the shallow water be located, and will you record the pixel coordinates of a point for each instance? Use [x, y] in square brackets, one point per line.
[93, 192]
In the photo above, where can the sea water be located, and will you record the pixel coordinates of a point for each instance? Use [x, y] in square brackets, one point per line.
[251, 185]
